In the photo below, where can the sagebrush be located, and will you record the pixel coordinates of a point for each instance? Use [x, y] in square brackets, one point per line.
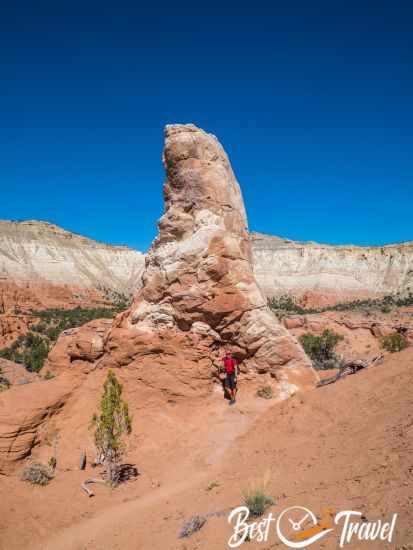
[37, 474]
[394, 342]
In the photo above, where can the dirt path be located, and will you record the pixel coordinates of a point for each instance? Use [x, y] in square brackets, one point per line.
[208, 434]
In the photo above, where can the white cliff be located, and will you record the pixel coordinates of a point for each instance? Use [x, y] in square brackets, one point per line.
[336, 272]
[41, 253]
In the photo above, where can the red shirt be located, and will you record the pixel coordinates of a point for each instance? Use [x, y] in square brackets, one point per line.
[229, 364]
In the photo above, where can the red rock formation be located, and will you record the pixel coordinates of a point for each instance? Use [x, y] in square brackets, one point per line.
[79, 347]
[23, 410]
[199, 295]
[199, 292]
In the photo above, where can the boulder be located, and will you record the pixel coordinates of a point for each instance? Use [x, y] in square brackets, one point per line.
[79, 346]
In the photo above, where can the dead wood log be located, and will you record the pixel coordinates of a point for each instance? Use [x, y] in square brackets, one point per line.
[88, 482]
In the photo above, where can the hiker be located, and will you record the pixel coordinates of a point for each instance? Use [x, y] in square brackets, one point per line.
[231, 372]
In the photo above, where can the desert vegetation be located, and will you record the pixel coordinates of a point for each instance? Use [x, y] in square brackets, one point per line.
[394, 342]
[111, 424]
[320, 349]
[287, 304]
[32, 348]
[265, 392]
[38, 474]
[257, 500]
[4, 381]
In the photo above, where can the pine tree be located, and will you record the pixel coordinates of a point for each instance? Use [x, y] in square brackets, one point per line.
[112, 423]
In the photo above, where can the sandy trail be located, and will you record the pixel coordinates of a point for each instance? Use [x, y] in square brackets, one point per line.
[210, 432]
[345, 446]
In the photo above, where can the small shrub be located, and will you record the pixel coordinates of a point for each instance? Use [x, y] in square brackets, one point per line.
[265, 392]
[320, 349]
[4, 382]
[394, 342]
[111, 425]
[192, 526]
[37, 474]
[257, 501]
[48, 375]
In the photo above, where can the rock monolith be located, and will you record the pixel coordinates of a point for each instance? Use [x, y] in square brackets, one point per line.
[199, 294]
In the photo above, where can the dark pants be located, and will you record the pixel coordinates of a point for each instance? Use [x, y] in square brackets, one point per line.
[230, 381]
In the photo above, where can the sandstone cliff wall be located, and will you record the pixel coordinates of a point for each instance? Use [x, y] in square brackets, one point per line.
[41, 263]
[326, 273]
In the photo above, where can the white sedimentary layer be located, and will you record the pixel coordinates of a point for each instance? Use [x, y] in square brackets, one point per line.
[41, 252]
[283, 266]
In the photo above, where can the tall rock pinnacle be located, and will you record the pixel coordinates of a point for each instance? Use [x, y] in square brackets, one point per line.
[199, 293]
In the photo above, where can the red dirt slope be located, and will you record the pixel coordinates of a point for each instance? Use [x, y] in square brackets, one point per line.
[346, 446]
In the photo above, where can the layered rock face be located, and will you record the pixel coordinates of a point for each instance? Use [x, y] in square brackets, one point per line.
[322, 274]
[199, 292]
[24, 409]
[42, 265]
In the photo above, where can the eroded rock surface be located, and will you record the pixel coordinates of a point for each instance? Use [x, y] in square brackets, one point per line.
[44, 266]
[199, 292]
[23, 411]
[322, 274]
[79, 346]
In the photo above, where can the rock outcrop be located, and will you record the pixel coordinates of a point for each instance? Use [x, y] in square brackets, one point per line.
[199, 292]
[42, 266]
[24, 409]
[79, 347]
[321, 274]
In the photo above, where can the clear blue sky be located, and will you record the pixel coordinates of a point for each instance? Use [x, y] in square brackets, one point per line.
[316, 113]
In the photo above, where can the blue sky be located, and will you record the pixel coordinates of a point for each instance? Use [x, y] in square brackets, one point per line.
[315, 111]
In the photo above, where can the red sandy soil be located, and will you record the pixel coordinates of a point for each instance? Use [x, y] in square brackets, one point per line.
[345, 446]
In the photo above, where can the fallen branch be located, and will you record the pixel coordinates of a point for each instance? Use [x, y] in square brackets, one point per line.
[89, 481]
[351, 367]
[122, 473]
